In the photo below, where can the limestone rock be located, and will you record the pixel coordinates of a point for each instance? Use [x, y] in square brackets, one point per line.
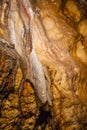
[43, 66]
[71, 11]
[81, 52]
[18, 107]
[82, 27]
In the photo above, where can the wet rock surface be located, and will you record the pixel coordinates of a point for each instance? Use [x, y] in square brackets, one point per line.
[43, 65]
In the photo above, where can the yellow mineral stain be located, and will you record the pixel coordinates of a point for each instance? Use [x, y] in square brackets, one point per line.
[18, 79]
[27, 88]
[1, 32]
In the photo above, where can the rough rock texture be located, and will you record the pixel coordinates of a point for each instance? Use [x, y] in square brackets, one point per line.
[18, 106]
[43, 65]
[72, 11]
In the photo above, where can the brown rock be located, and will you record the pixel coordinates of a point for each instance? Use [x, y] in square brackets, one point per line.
[43, 68]
[18, 111]
[71, 11]
[82, 28]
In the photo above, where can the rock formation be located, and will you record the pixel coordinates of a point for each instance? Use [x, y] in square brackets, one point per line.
[43, 65]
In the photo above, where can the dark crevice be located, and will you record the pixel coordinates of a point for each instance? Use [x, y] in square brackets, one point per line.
[42, 119]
